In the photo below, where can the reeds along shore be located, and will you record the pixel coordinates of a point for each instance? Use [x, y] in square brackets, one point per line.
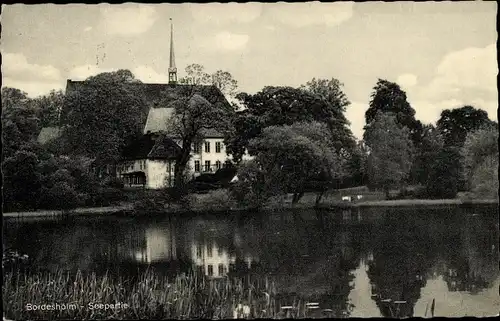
[149, 296]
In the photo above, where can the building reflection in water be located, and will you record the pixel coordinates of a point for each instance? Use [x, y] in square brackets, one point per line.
[150, 244]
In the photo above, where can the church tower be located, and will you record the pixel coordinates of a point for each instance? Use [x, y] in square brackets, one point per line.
[172, 70]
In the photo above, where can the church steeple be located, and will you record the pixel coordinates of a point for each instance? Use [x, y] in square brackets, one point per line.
[172, 70]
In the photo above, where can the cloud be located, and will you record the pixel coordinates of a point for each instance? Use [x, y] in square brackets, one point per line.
[230, 41]
[32, 88]
[87, 29]
[34, 79]
[311, 13]
[407, 80]
[219, 13]
[149, 75]
[467, 70]
[464, 77]
[84, 71]
[15, 65]
[127, 20]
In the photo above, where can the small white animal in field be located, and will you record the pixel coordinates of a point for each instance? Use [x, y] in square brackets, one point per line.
[346, 198]
[359, 197]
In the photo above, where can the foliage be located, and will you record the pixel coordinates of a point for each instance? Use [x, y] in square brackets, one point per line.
[216, 200]
[426, 153]
[150, 296]
[20, 123]
[480, 155]
[102, 115]
[192, 115]
[318, 100]
[21, 181]
[388, 97]
[455, 124]
[251, 190]
[444, 178]
[390, 156]
[49, 107]
[357, 166]
[293, 156]
[223, 80]
[60, 196]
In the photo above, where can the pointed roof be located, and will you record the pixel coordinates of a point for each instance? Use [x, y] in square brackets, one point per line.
[172, 66]
[151, 146]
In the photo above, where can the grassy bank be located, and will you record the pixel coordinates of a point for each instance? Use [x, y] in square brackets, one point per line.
[148, 297]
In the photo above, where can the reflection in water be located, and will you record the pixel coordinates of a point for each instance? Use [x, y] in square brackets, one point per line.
[360, 262]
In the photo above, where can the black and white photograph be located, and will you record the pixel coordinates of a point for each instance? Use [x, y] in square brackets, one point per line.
[250, 160]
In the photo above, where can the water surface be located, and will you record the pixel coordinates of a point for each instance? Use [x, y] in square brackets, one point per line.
[361, 262]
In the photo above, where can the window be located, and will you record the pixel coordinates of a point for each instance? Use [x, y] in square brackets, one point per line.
[219, 250]
[217, 164]
[210, 270]
[196, 165]
[207, 166]
[199, 251]
[197, 148]
[209, 250]
[217, 147]
[221, 269]
[207, 147]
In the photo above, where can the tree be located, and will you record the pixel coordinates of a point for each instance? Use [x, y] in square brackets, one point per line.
[430, 145]
[49, 108]
[294, 156]
[455, 124]
[20, 123]
[192, 115]
[104, 114]
[330, 90]
[21, 180]
[277, 106]
[390, 156]
[223, 80]
[444, 179]
[388, 97]
[480, 156]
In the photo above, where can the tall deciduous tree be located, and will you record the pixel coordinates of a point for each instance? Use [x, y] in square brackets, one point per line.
[425, 155]
[391, 150]
[20, 123]
[388, 97]
[103, 115]
[455, 124]
[294, 156]
[445, 175]
[276, 106]
[192, 115]
[480, 153]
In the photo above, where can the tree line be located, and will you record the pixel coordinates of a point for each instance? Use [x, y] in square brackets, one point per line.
[300, 139]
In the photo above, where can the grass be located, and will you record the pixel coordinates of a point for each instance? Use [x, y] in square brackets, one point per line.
[149, 296]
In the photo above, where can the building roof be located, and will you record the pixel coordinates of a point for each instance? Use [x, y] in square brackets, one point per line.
[47, 134]
[151, 146]
[157, 119]
[161, 100]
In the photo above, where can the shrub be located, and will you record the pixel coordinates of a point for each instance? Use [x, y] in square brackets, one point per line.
[106, 196]
[114, 182]
[217, 200]
[61, 196]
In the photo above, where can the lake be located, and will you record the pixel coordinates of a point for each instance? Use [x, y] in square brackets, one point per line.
[360, 262]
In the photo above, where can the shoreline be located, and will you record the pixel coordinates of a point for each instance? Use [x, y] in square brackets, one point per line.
[113, 210]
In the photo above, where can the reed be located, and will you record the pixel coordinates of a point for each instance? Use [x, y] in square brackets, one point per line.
[148, 296]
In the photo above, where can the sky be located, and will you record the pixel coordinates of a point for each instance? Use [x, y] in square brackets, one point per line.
[443, 54]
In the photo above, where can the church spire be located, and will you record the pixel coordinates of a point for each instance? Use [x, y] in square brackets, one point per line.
[172, 70]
